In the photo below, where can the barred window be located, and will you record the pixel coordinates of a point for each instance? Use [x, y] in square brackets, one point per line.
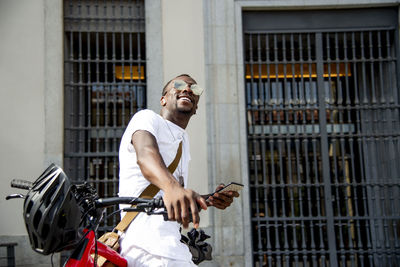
[323, 139]
[105, 70]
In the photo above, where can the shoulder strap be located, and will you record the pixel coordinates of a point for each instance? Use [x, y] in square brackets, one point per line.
[149, 192]
[175, 162]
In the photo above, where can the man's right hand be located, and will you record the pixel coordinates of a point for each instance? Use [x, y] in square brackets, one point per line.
[180, 202]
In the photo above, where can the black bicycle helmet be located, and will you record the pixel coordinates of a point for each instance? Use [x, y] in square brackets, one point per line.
[51, 213]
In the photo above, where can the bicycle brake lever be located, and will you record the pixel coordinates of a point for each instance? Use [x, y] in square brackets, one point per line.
[14, 196]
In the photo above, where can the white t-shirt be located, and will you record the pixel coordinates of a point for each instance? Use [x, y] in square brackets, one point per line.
[152, 233]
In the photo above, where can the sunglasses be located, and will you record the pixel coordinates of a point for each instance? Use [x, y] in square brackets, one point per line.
[182, 85]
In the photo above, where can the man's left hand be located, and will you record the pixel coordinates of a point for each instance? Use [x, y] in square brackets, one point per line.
[221, 200]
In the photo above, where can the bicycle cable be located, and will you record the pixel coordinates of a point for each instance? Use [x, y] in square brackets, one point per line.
[111, 214]
[95, 250]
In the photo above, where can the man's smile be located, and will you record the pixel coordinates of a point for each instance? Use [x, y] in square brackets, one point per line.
[185, 98]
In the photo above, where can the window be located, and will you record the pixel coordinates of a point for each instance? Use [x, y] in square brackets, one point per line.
[323, 133]
[105, 84]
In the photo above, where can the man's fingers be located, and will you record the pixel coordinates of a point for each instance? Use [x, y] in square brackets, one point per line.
[198, 203]
[217, 205]
[220, 186]
[185, 202]
[195, 212]
[171, 213]
[202, 203]
[185, 214]
[177, 213]
[220, 201]
[224, 197]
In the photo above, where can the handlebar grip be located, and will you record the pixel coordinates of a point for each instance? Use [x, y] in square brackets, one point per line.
[106, 202]
[139, 202]
[21, 184]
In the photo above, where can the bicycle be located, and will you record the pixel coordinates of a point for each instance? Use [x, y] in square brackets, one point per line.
[61, 216]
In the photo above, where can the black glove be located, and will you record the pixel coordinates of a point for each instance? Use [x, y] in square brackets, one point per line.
[199, 249]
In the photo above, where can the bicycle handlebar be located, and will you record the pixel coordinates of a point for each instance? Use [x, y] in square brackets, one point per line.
[140, 203]
[149, 206]
[154, 203]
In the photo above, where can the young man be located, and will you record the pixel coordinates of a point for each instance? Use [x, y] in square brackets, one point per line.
[148, 146]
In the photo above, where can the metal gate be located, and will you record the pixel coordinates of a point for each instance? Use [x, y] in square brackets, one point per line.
[104, 86]
[322, 94]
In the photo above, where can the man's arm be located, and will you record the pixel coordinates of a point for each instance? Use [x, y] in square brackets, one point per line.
[177, 200]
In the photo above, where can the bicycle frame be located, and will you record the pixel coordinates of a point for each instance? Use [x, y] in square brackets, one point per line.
[82, 255]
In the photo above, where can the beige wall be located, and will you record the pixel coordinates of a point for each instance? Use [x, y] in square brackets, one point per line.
[21, 103]
[183, 52]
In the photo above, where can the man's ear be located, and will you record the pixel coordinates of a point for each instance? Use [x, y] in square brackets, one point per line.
[163, 102]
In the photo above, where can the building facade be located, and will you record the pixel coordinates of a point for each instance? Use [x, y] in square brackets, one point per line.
[301, 105]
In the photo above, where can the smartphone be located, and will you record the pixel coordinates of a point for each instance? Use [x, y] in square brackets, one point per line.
[229, 187]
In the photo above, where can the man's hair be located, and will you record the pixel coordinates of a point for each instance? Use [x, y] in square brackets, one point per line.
[164, 91]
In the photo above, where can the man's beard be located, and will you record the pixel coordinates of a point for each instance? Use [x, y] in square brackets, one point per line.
[184, 111]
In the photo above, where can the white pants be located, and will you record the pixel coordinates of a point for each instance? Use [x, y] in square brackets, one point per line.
[138, 257]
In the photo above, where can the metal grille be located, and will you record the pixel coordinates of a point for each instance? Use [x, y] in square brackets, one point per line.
[323, 146]
[104, 86]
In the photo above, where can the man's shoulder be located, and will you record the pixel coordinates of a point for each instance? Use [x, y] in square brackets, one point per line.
[146, 113]
[144, 119]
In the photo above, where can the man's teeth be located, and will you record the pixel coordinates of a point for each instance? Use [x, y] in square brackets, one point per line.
[186, 99]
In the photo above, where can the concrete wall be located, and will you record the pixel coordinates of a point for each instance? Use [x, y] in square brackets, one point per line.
[226, 123]
[22, 101]
[25, 108]
[183, 52]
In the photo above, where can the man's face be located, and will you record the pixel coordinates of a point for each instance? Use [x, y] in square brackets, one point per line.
[181, 100]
